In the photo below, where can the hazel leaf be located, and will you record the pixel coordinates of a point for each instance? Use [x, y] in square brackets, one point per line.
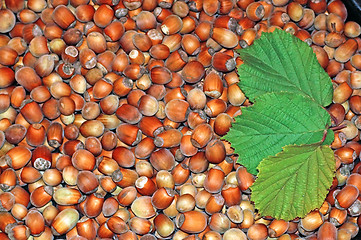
[279, 61]
[294, 182]
[274, 121]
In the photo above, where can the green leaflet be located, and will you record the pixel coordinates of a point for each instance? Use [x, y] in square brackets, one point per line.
[279, 61]
[274, 121]
[293, 182]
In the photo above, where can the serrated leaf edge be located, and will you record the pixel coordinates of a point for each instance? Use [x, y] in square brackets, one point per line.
[277, 155]
[246, 109]
[281, 34]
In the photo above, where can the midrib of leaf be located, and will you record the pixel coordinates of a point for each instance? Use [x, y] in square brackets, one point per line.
[294, 131]
[260, 66]
[275, 124]
[322, 170]
[283, 75]
[285, 83]
[307, 165]
[284, 63]
[286, 133]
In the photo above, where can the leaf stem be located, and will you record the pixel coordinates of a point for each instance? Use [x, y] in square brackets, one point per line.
[339, 127]
[324, 136]
[335, 128]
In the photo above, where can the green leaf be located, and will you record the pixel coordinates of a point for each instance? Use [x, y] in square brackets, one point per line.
[279, 61]
[274, 121]
[293, 182]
